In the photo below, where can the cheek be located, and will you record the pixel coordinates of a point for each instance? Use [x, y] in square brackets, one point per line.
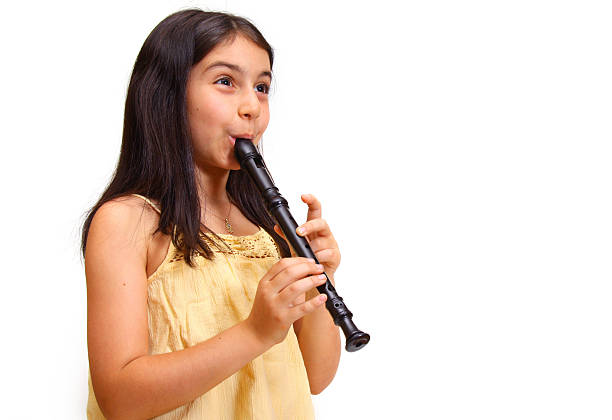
[264, 119]
[206, 115]
[205, 124]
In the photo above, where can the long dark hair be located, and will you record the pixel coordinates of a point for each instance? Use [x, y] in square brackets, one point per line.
[156, 158]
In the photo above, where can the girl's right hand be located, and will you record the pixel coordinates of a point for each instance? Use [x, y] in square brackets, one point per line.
[274, 308]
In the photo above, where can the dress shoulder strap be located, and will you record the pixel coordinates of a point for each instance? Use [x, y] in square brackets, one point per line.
[149, 202]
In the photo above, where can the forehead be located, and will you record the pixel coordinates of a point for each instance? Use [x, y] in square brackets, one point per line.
[240, 51]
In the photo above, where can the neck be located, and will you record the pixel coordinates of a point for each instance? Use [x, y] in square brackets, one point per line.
[211, 187]
[214, 200]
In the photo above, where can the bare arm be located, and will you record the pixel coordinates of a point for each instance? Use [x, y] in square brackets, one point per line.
[319, 340]
[151, 385]
[318, 336]
[129, 383]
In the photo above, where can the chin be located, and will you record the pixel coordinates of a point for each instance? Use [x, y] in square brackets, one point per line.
[234, 165]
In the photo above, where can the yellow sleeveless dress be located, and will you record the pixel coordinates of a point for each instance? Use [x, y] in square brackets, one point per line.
[190, 305]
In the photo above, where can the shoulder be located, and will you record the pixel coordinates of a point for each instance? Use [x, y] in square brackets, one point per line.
[127, 205]
[127, 220]
[127, 211]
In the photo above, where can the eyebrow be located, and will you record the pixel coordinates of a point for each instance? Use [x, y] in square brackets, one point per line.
[236, 68]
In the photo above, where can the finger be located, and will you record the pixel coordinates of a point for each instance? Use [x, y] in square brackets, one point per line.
[314, 206]
[300, 299]
[323, 242]
[294, 273]
[309, 306]
[295, 289]
[314, 226]
[283, 264]
[327, 255]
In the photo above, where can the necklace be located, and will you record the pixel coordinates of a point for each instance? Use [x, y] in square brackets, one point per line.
[226, 220]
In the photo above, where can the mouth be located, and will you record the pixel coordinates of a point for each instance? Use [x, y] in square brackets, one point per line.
[240, 136]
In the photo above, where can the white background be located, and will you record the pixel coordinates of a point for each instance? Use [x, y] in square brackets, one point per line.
[461, 151]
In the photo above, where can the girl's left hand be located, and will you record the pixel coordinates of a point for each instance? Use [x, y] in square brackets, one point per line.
[319, 236]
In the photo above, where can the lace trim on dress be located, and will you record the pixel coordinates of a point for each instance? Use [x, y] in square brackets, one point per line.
[257, 245]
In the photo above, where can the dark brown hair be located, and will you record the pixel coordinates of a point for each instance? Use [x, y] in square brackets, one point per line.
[156, 153]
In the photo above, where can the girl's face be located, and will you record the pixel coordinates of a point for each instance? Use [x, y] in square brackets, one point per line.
[227, 97]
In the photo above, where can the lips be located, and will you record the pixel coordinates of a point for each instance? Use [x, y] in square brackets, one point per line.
[240, 136]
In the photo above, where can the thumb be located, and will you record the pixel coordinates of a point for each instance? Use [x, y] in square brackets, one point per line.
[278, 230]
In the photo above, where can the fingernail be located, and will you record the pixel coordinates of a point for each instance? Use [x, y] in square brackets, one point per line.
[322, 276]
[301, 230]
[320, 266]
[322, 298]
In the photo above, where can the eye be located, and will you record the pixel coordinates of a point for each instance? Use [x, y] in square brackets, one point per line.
[224, 81]
[263, 88]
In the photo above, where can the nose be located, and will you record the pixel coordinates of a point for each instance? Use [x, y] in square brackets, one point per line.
[249, 107]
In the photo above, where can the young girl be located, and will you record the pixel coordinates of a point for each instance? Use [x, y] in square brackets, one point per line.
[192, 312]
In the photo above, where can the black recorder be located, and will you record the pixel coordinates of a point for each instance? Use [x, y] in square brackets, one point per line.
[251, 161]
